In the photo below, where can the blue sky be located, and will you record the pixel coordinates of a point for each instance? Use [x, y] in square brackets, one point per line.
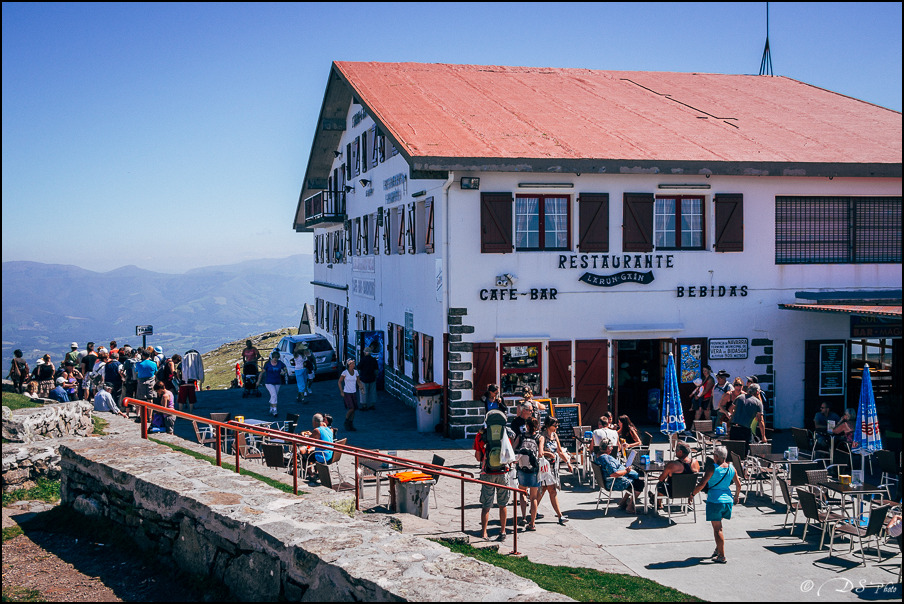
[172, 136]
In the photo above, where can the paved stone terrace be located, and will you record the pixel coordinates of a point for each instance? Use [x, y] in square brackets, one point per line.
[764, 561]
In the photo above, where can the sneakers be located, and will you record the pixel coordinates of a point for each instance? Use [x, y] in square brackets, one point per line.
[501, 537]
[719, 560]
[563, 519]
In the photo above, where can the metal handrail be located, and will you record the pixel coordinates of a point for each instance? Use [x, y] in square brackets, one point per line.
[297, 439]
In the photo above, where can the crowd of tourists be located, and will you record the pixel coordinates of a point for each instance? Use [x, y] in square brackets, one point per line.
[535, 453]
[104, 375]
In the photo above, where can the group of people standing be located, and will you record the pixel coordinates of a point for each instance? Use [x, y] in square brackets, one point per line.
[104, 375]
[740, 404]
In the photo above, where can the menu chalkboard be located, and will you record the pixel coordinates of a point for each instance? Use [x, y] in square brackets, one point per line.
[831, 369]
[569, 416]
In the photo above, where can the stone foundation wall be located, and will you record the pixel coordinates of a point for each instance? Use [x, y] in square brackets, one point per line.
[261, 543]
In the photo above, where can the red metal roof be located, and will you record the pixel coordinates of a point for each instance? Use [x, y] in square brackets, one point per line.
[472, 111]
[851, 309]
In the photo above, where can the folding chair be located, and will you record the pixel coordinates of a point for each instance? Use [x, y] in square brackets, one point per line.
[274, 456]
[326, 479]
[598, 475]
[790, 503]
[873, 527]
[682, 488]
[813, 513]
[247, 450]
[890, 470]
[204, 434]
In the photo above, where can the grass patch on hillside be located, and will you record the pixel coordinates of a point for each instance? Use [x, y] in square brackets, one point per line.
[21, 594]
[12, 532]
[19, 401]
[287, 488]
[44, 490]
[581, 584]
[219, 364]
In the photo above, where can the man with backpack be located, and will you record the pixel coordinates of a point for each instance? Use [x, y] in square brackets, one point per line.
[488, 450]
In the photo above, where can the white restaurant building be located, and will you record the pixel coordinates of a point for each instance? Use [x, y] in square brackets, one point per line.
[568, 228]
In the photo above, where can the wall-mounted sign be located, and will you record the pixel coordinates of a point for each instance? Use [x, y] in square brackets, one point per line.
[875, 327]
[627, 261]
[831, 369]
[691, 362]
[728, 348]
[144, 330]
[617, 278]
[396, 186]
[366, 288]
[711, 291]
[510, 293]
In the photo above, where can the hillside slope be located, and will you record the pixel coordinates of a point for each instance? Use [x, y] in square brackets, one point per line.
[219, 364]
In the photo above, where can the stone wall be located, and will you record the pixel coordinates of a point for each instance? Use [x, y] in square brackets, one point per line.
[261, 543]
[24, 464]
[50, 421]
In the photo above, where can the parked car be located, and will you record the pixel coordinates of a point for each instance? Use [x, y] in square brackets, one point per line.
[320, 347]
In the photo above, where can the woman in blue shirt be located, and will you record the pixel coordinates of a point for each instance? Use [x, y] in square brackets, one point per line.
[719, 475]
[274, 372]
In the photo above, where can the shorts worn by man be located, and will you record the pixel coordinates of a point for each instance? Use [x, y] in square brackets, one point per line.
[495, 475]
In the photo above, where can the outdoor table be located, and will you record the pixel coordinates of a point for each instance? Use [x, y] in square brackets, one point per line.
[378, 468]
[776, 459]
[854, 491]
[652, 469]
[259, 422]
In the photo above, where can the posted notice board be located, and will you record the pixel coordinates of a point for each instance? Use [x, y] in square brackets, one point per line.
[569, 416]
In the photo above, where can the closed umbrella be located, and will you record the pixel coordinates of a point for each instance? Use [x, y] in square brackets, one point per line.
[672, 413]
[866, 432]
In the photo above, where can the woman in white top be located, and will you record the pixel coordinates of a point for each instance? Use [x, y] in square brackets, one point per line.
[349, 383]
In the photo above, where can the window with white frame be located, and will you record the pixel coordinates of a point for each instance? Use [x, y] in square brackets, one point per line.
[542, 222]
[678, 223]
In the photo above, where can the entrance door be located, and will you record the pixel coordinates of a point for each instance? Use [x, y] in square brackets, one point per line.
[638, 376]
[591, 371]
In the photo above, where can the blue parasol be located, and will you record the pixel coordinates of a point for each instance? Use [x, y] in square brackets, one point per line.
[866, 432]
[672, 413]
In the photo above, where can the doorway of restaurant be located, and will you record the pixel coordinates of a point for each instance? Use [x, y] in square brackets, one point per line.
[637, 369]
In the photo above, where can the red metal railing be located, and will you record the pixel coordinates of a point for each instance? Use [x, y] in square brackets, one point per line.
[296, 439]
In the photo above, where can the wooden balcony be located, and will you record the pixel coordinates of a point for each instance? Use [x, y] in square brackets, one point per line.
[326, 208]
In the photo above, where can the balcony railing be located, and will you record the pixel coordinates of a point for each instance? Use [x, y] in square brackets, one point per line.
[325, 208]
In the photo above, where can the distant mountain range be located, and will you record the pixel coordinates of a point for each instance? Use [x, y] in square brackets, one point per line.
[48, 306]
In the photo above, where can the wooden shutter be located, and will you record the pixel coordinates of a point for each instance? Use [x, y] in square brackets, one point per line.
[591, 373]
[356, 156]
[593, 222]
[483, 359]
[729, 223]
[386, 218]
[365, 148]
[496, 223]
[412, 234]
[389, 356]
[375, 242]
[400, 242]
[428, 358]
[428, 235]
[374, 147]
[416, 357]
[638, 222]
[559, 362]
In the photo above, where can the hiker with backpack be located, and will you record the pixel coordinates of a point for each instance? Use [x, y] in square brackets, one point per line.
[488, 449]
[527, 451]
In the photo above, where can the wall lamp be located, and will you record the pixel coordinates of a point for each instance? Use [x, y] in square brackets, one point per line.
[685, 186]
[545, 185]
[470, 182]
[364, 182]
[337, 153]
[349, 188]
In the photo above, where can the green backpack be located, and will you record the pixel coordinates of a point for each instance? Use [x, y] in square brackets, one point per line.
[492, 437]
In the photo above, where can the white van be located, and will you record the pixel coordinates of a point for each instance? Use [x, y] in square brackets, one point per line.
[320, 347]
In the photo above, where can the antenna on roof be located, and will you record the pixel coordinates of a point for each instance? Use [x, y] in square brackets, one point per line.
[766, 63]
